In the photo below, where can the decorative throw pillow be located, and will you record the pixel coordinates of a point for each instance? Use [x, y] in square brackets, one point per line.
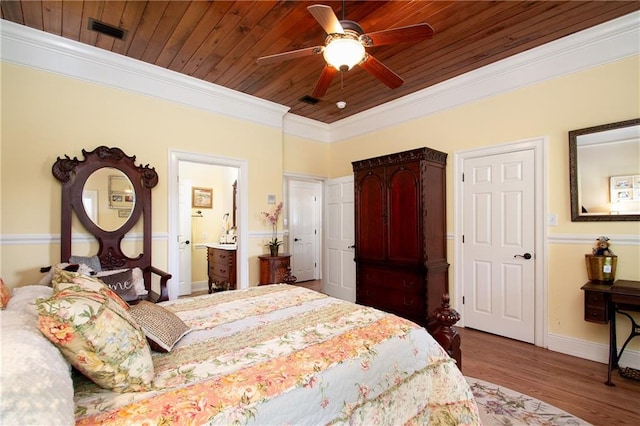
[5, 294]
[162, 327]
[98, 337]
[73, 267]
[92, 262]
[63, 280]
[121, 283]
[136, 275]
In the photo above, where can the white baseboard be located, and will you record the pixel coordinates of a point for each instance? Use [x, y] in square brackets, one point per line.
[592, 351]
[199, 286]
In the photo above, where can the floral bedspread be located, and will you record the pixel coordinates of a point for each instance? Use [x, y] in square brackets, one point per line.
[284, 355]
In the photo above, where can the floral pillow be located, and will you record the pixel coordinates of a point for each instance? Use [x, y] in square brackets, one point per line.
[5, 294]
[63, 280]
[98, 337]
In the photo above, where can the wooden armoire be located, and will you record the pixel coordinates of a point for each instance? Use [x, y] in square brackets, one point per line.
[400, 233]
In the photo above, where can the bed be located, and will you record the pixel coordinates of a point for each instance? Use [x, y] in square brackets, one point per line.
[281, 354]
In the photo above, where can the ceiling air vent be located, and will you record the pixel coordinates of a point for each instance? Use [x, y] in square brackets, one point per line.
[309, 100]
[106, 29]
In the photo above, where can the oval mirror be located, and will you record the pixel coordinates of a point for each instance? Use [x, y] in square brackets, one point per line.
[604, 166]
[108, 198]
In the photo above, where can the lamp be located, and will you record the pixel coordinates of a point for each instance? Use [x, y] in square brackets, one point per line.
[343, 51]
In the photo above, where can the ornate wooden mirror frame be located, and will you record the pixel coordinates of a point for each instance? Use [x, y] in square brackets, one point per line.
[73, 174]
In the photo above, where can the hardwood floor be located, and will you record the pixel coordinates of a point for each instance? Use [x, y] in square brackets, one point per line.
[573, 384]
[312, 285]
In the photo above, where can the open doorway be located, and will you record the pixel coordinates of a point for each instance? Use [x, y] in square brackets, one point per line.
[207, 219]
[213, 177]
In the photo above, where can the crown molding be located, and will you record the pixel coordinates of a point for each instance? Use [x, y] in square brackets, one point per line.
[608, 42]
[33, 48]
[296, 125]
[605, 43]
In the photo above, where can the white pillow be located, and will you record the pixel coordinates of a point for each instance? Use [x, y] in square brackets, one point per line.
[24, 298]
[36, 380]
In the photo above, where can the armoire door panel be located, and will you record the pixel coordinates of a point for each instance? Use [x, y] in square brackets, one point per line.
[435, 220]
[370, 223]
[404, 214]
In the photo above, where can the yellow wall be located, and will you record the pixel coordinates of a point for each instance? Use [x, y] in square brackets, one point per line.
[596, 96]
[46, 115]
[305, 157]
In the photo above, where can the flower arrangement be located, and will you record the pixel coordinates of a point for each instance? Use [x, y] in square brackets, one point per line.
[272, 218]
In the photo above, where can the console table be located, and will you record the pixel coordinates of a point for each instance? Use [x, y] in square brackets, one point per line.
[601, 303]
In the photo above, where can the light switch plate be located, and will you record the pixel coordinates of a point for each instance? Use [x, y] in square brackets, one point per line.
[552, 219]
[271, 198]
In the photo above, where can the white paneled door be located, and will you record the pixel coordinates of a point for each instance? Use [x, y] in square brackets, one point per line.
[499, 242]
[340, 268]
[305, 212]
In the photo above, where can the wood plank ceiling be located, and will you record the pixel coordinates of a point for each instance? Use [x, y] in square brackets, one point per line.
[219, 41]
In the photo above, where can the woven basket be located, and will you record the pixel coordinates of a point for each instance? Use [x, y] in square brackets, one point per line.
[601, 268]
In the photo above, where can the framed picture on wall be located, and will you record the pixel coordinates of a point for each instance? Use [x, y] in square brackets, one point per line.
[624, 188]
[120, 193]
[202, 198]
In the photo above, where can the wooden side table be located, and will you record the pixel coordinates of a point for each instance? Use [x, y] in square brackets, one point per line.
[275, 269]
[601, 303]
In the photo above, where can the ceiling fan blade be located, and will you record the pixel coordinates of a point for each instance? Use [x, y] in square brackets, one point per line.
[293, 54]
[381, 72]
[326, 18]
[411, 33]
[327, 76]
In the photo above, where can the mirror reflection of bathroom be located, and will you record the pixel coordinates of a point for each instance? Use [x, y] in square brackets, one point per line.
[208, 203]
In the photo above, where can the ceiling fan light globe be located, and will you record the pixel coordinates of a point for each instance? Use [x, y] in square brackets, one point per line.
[343, 53]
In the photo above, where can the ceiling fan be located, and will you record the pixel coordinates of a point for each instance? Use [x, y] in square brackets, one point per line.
[345, 46]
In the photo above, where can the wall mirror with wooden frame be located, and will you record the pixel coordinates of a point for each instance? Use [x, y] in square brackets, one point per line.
[88, 190]
[604, 172]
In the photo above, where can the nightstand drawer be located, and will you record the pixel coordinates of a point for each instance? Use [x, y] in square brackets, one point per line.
[595, 307]
[595, 314]
[594, 299]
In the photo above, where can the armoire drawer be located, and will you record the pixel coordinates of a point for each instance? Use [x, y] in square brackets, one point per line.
[407, 304]
[392, 280]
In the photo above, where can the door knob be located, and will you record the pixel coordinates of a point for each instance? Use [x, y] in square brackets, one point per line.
[352, 247]
[525, 256]
[296, 239]
[187, 242]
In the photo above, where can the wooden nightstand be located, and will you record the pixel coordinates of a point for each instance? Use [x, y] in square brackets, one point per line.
[275, 269]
